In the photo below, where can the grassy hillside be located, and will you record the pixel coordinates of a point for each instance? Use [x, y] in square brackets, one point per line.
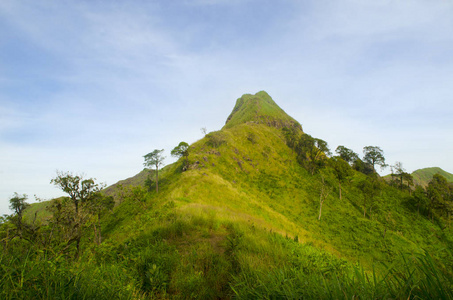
[423, 176]
[241, 219]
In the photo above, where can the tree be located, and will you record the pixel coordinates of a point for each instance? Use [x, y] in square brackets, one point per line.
[374, 155]
[80, 192]
[98, 206]
[409, 181]
[420, 199]
[182, 150]
[346, 154]
[18, 204]
[370, 188]
[78, 188]
[400, 172]
[438, 193]
[323, 194]
[311, 152]
[341, 170]
[291, 136]
[363, 167]
[155, 160]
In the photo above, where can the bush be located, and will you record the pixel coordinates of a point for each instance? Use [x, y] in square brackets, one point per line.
[215, 139]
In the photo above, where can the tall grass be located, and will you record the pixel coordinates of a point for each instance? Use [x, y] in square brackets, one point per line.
[36, 276]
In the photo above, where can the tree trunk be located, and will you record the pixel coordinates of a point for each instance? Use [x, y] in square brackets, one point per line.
[157, 178]
[322, 196]
[339, 185]
[78, 247]
[320, 208]
[99, 228]
[96, 239]
[364, 208]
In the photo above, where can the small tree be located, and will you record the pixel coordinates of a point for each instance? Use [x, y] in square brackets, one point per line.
[311, 152]
[438, 193]
[346, 154]
[420, 199]
[363, 167]
[341, 170]
[182, 150]
[409, 181]
[400, 172]
[155, 160]
[79, 189]
[374, 155]
[323, 194]
[80, 192]
[18, 204]
[291, 137]
[99, 205]
[370, 188]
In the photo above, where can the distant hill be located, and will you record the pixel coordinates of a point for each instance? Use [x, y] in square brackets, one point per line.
[423, 176]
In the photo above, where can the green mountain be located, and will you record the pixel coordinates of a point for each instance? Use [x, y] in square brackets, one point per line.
[261, 109]
[241, 217]
[423, 176]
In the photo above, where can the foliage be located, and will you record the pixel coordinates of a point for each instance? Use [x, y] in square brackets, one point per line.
[374, 155]
[311, 152]
[84, 194]
[370, 188]
[182, 150]
[18, 205]
[440, 195]
[341, 169]
[363, 167]
[346, 154]
[155, 160]
[400, 177]
[215, 139]
[79, 189]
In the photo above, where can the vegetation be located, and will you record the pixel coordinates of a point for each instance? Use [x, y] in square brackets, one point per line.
[258, 212]
[155, 160]
[423, 176]
[374, 155]
[182, 150]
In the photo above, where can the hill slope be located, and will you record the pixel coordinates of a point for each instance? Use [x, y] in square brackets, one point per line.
[423, 176]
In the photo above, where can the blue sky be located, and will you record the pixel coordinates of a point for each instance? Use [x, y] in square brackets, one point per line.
[92, 86]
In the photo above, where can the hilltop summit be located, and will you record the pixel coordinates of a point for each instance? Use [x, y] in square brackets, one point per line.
[259, 108]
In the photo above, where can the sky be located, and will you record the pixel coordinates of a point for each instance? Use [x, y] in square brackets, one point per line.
[90, 86]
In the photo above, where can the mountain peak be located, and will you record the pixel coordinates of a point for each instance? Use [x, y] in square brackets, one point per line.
[259, 108]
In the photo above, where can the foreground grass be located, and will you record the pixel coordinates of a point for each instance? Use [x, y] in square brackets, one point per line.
[203, 254]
